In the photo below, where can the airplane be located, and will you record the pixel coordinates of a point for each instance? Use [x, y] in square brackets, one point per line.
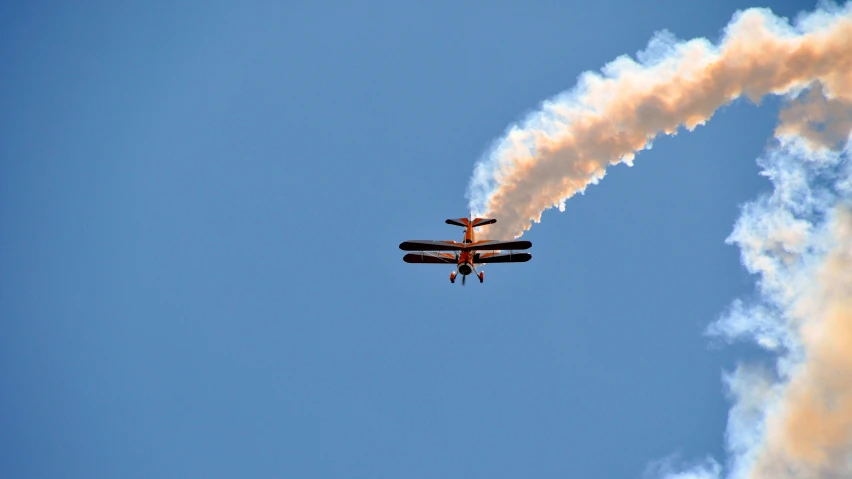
[468, 253]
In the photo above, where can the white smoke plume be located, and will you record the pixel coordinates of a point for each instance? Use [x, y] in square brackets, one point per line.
[558, 151]
[794, 420]
[791, 418]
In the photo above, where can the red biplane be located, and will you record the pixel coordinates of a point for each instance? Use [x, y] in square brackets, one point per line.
[467, 254]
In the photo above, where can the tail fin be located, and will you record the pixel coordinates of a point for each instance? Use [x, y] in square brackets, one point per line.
[463, 222]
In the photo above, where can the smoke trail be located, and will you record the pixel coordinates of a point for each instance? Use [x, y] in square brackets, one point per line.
[792, 420]
[567, 145]
[795, 421]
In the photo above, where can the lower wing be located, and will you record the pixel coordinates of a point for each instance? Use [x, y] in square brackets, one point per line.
[502, 258]
[426, 258]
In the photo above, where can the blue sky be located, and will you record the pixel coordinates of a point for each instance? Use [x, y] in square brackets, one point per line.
[201, 206]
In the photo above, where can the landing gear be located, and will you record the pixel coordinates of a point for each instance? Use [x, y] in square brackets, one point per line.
[480, 275]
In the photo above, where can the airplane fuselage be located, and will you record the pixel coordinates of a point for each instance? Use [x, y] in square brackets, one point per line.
[465, 264]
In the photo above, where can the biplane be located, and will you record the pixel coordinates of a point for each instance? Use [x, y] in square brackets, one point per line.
[467, 254]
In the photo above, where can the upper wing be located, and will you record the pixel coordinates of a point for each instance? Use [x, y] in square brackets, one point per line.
[425, 245]
[490, 258]
[435, 258]
[495, 245]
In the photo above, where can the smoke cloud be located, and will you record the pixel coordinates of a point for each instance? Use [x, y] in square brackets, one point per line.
[558, 151]
[795, 420]
[791, 418]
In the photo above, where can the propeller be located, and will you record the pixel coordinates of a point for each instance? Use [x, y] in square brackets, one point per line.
[464, 277]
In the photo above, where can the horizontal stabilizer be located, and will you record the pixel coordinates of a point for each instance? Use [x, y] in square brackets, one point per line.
[503, 258]
[429, 259]
[476, 222]
[483, 221]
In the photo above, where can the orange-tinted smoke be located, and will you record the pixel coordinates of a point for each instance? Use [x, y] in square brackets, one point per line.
[607, 119]
[810, 432]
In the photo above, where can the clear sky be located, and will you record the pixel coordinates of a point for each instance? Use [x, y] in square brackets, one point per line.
[200, 207]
